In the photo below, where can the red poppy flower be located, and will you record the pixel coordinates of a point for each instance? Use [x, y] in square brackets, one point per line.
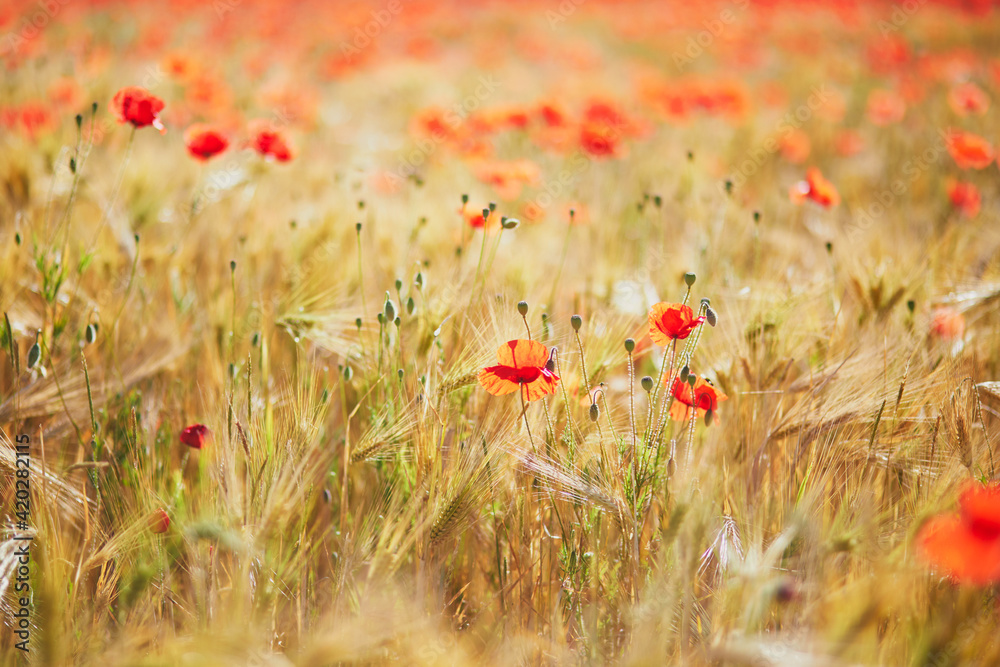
[885, 107]
[671, 321]
[966, 545]
[795, 146]
[600, 139]
[705, 397]
[159, 521]
[138, 106]
[204, 141]
[522, 364]
[194, 436]
[965, 197]
[848, 143]
[815, 187]
[269, 141]
[970, 151]
[947, 323]
[966, 98]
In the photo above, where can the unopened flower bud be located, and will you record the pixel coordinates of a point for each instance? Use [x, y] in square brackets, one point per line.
[522, 307]
[595, 412]
[629, 345]
[410, 305]
[91, 333]
[711, 317]
[577, 322]
[689, 279]
[685, 371]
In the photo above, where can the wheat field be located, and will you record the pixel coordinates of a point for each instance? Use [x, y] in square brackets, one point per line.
[263, 389]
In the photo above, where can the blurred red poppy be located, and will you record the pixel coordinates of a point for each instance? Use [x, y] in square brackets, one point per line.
[269, 141]
[671, 321]
[139, 107]
[194, 436]
[970, 151]
[947, 323]
[968, 98]
[885, 107]
[522, 364]
[965, 197]
[815, 187]
[705, 398]
[966, 545]
[204, 141]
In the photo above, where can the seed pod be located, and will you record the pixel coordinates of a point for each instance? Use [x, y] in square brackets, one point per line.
[522, 307]
[399, 284]
[381, 318]
[509, 223]
[418, 280]
[595, 412]
[685, 371]
[550, 365]
[390, 310]
[577, 322]
[689, 279]
[397, 321]
[357, 323]
[410, 305]
[493, 206]
[465, 199]
[348, 373]
[709, 416]
[91, 333]
[692, 378]
[711, 317]
[629, 345]
[647, 383]
[400, 373]
[357, 228]
[34, 354]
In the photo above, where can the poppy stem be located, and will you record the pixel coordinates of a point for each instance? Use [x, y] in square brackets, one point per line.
[524, 413]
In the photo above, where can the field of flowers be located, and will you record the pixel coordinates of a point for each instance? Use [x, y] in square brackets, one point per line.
[431, 332]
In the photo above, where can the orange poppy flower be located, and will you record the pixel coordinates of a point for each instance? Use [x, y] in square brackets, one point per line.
[970, 151]
[848, 143]
[815, 187]
[795, 146]
[139, 107]
[671, 321]
[965, 197]
[159, 521]
[204, 141]
[966, 545]
[705, 397]
[523, 364]
[966, 98]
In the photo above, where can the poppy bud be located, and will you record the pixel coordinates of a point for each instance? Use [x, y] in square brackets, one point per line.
[397, 321]
[711, 317]
[159, 522]
[400, 373]
[756, 216]
[79, 121]
[729, 187]
[17, 238]
[647, 383]
[357, 228]
[357, 323]
[690, 155]
[418, 280]
[709, 415]
[692, 378]
[550, 365]
[465, 199]
[399, 284]
[72, 164]
[595, 412]
[486, 214]
[685, 371]
[689, 279]
[671, 467]
[348, 373]
[194, 436]
[361, 204]
[493, 206]
[911, 305]
[410, 305]
[705, 302]
[390, 310]
[522, 307]
[658, 201]
[34, 354]
[91, 333]
[829, 247]
[629, 345]
[510, 223]
[255, 340]
[327, 496]
[577, 322]
[381, 318]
